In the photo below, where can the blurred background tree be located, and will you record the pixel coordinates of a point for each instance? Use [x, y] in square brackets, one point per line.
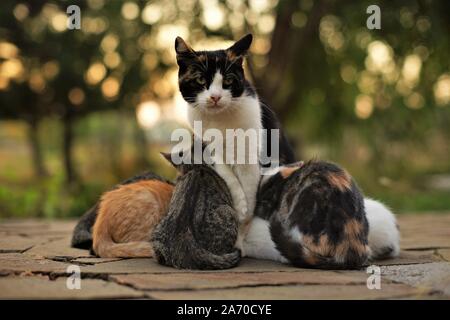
[82, 109]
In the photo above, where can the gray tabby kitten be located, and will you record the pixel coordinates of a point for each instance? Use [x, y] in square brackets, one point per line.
[200, 229]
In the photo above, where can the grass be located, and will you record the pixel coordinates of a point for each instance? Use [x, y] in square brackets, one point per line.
[49, 198]
[416, 202]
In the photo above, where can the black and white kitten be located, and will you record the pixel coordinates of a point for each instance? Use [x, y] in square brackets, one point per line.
[214, 85]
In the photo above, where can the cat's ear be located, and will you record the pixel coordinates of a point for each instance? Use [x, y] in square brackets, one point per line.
[239, 48]
[167, 156]
[176, 159]
[182, 48]
[287, 170]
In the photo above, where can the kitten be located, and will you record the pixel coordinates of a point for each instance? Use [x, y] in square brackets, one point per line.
[200, 230]
[384, 235]
[315, 215]
[214, 85]
[120, 224]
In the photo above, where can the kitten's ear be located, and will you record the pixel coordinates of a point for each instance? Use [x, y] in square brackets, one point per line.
[288, 170]
[181, 47]
[176, 160]
[167, 156]
[240, 47]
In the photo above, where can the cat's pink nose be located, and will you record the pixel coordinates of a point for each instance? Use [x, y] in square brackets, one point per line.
[215, 98]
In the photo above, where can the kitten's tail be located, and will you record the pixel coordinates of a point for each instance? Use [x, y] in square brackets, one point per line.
[135, 249]
[195, 257]
[208, 261]
[82, 234]
[105, 247]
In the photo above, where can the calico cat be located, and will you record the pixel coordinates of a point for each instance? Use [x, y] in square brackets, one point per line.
[200, 229]
[316, 218]
[214, 85]
[120, 224]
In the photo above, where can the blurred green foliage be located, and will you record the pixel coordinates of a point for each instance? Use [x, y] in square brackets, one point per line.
[81, 110]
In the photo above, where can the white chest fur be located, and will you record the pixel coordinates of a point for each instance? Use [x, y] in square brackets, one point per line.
[242, 179]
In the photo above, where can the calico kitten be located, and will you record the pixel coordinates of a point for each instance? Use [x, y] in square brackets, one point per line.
[120, 224]
[316, 218]
[214, 85]
[200, 230]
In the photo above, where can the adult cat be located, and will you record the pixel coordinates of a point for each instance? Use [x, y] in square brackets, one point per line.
[121, 223]
[200, 229]
[214, 85]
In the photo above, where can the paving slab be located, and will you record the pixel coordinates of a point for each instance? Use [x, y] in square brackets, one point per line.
[247, 265]
[193, 281]
[433, 231]
[149, 265]
[57, 249]
[33, 251]
[428, 276]
[40, 287]
[410, 257]
[17, 262]
[17, 243]
[45, 228]
[288, 292]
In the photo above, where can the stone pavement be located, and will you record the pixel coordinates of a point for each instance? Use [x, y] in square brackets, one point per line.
[35, 254]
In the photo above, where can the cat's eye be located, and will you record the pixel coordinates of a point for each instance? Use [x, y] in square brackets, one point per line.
[201, 81]
[228, 81]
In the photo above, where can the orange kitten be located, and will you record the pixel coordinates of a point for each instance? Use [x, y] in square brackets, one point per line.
[127, 216]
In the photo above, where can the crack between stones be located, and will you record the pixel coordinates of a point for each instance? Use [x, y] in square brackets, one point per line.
[256, 285]
[14, 250]
[436, 253]
[426, 248]
[30, 247]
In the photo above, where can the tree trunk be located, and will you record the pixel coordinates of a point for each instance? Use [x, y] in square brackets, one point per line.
[115, 146]
[288, 47]
[68, 122]
[36, 152]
